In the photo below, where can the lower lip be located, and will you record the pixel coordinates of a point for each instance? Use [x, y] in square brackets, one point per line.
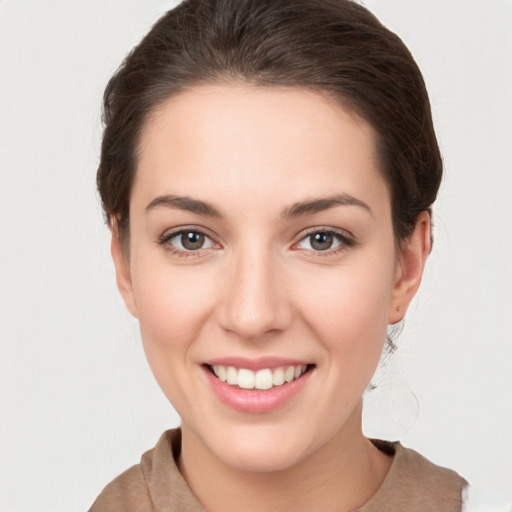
[253, 400]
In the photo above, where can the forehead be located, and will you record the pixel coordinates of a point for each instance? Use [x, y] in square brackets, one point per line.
[254, 142]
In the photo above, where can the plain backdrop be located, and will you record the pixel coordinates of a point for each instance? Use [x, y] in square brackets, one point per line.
[78, 402]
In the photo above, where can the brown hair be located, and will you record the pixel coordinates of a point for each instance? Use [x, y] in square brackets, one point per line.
[335, 47]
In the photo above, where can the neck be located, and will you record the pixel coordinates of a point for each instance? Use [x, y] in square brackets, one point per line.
[342, 475]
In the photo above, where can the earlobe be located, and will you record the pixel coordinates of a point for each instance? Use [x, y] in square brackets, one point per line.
[123, 273]
[413, 256]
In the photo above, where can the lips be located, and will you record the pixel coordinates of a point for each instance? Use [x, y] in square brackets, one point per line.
[257, 386]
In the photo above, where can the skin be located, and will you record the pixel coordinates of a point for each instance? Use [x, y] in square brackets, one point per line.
[259, 288]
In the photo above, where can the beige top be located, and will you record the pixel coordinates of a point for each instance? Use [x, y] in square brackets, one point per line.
[156, 484]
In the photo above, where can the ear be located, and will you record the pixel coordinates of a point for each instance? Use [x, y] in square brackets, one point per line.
[123, 273]
[411, 262]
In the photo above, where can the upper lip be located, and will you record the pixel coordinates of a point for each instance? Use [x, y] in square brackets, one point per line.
[259, 363]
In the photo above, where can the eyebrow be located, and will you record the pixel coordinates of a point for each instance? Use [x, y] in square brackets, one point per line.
[312, 206]
[299, 209]
[185, 203]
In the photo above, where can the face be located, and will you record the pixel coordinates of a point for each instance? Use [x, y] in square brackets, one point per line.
[263, 269]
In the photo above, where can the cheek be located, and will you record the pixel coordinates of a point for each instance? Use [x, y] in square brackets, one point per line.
[172, 304]
[348, 310]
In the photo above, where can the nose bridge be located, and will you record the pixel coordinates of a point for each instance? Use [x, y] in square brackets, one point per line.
[255, 301]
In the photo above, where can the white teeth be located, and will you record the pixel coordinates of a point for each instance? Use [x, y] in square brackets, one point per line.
[221, 373]
[278, 377]
[261, 379]
[246, 378]
[232, 376]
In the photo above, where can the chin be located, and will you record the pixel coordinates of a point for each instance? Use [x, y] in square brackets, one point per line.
[267, 460]
[260, 449]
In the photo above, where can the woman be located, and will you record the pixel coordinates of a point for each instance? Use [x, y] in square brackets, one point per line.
[267, 171]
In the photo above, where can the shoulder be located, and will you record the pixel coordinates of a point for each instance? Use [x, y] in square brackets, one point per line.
[436, 487]
[415, 483]
[123, 492]
[140, 487]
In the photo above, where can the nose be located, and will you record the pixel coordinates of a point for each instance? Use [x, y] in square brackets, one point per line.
[255, 302]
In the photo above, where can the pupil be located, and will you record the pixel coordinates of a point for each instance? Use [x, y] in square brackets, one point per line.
[321, 241]
[192, 240]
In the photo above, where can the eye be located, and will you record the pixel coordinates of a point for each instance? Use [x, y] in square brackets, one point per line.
[324, 241]
[187, 241]
[319, 242]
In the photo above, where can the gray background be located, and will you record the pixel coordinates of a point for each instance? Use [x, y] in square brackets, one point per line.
[78, 402]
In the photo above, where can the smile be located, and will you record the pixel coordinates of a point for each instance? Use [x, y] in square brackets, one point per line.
[257, 386]
[262, 379]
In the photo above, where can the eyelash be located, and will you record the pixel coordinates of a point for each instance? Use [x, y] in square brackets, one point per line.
[345, 241]
[167, 237]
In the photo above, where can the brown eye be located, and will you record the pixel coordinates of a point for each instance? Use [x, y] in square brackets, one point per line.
[325, 241]
[192, 241]
[187, 241]
[321, 241]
